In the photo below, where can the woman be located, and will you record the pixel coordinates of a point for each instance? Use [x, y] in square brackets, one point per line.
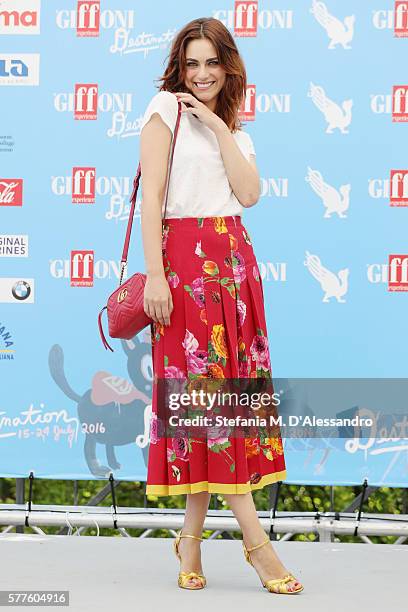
[203, 289]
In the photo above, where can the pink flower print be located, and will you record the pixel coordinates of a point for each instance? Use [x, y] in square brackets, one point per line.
[246, 236]
[217, 434]
[180, 447]
[165, 236]
[198, 250]
[173, 372]
[244, 368]
[153, 429]
[212, 442]
[173, 279]
[238, 267]
[175, 379]
[190, 342]
[198, 291]
[260, 352]
[197, 362]
[241, 307]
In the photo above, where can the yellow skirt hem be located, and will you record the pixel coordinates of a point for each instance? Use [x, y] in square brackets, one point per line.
[214, 487]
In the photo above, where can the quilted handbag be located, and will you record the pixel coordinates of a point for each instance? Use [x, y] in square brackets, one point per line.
[125, 306]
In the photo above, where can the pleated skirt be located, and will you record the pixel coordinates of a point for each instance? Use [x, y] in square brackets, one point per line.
[217, 330]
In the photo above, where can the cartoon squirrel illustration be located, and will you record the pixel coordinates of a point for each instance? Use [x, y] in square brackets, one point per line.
[340, 33]
[336, 116]
[334, 201]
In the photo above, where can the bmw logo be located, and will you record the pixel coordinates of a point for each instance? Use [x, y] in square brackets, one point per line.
[21, 290]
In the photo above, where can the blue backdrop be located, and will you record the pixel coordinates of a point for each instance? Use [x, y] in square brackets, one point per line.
[326, 106]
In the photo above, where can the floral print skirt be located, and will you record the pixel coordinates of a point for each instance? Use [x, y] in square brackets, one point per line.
[217, 330]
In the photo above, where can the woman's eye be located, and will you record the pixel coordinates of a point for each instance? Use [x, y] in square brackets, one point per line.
[212, 62]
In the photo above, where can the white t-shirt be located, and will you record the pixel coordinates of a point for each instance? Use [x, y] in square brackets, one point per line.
[199, 185]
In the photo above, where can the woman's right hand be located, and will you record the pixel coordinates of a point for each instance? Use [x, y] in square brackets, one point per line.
[158, 301]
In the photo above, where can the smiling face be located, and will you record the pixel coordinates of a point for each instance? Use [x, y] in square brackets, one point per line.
[205, 77]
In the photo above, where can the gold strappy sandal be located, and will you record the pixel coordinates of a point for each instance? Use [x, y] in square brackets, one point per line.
[185, 577]
[277, 585]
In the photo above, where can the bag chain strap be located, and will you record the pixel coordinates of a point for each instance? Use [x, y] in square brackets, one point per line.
[132, 198]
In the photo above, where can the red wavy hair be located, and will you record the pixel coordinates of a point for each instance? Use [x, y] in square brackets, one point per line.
[230, 97]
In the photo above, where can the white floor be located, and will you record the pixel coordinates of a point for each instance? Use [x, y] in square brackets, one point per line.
[116, 573]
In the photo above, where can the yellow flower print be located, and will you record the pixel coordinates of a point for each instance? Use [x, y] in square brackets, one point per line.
[276, 445]
[220, 225]
[251, 447]
[233, 242]
[218, 340]
[160, 328]
[268, 454]
[215, 371]
[210, 267]
[246, 236]
[203, 316]
[198, 384]
[157, 331]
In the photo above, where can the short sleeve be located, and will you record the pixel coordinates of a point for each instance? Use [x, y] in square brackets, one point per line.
[165, 103]
[245, 143]
[251, 147]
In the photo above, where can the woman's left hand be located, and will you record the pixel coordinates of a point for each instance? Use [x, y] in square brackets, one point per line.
[202, 111]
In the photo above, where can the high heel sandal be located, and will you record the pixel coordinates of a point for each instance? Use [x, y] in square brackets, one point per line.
[277, 585]
[185, 577]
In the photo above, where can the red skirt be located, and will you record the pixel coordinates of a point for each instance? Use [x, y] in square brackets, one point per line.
[217, 329]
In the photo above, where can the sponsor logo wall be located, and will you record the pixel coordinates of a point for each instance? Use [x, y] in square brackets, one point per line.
[326, 106]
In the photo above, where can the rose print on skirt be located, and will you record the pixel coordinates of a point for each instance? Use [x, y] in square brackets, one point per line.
[217, 330]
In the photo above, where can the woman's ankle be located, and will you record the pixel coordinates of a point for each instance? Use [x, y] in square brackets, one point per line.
[194, 531]
[252, 539]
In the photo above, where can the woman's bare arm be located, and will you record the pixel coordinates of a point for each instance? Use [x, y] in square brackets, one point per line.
[242, 174]
[155, 143]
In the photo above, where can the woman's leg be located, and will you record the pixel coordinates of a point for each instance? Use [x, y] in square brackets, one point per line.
[264, 559]
[189, 548]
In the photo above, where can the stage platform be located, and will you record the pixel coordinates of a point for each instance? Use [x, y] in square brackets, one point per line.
[128, 574]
